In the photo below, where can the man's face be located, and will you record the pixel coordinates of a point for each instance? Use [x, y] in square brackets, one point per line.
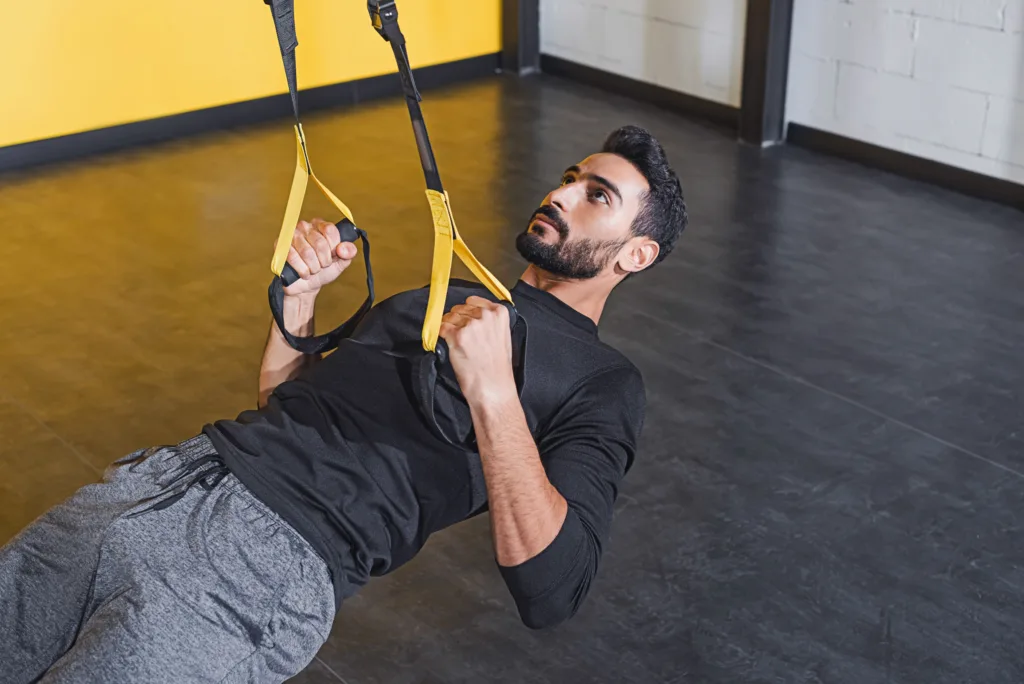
[582, 227]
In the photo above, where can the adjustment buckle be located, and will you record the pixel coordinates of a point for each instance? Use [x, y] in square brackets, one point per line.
[381, 12]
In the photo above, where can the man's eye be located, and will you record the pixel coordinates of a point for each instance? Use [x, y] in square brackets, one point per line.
[600, 196]
[566, 180]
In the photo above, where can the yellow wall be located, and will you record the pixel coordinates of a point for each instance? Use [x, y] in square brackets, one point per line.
[72, 65]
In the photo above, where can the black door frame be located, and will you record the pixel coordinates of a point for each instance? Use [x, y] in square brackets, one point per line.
[520, 36]
[765, 71]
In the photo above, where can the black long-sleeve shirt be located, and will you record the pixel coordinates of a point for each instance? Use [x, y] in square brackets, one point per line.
[345, 454]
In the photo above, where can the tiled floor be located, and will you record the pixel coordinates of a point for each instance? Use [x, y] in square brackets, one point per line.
[831, 487]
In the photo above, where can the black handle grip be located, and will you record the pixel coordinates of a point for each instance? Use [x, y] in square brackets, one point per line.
[348, 234]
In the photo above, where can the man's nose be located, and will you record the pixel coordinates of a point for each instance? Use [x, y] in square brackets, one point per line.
[561, 198]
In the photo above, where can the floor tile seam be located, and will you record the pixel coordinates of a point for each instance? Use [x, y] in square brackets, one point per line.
[49, 429]
[836, 395]
[330, 669]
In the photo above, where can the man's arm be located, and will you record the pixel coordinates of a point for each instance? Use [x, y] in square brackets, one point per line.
[527, 512]
[319, 256]
[281, 362]
[550, 516]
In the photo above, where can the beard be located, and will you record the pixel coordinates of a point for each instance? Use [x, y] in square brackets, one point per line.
[581, 259]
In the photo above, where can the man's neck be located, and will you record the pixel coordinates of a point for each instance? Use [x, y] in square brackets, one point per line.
[586, 296]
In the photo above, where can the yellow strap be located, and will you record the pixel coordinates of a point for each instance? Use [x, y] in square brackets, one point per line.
[478, 269]
[292, 209]
[339, 205]
[440, 270]
[446, 242]
[303, 172]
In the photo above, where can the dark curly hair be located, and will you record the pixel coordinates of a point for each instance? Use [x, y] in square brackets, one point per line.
[662, 216]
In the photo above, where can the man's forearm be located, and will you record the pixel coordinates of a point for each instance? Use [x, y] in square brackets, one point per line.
[280, 361]
[527, 512]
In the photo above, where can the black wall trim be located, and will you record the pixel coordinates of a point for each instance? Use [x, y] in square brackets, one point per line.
[765, 71]
[151, 131]
[646, 92]
[944, 175]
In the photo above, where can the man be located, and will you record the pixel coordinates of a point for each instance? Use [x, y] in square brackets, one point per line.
[226, 557]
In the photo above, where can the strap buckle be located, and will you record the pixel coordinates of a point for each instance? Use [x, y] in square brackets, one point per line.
[381, 13]
[384, 16]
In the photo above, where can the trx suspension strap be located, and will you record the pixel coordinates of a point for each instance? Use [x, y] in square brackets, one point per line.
[284, 274]
[384, 15]
[434, 382]
[447, 241]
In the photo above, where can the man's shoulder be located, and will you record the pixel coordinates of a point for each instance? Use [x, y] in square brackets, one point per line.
[595, 361]
[619, 380]
[585, 371]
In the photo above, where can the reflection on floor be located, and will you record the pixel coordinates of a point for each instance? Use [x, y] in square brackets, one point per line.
[832, 480]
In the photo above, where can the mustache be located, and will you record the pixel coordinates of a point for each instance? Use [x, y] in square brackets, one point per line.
[554, 218]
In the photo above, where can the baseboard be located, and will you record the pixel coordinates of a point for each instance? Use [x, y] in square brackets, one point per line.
[78, 145]
[949, 177]
[645, 92]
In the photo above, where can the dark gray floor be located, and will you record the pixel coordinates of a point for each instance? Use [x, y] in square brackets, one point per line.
[831, 486]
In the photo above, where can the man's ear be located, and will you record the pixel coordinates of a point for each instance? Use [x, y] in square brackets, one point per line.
[639, 254]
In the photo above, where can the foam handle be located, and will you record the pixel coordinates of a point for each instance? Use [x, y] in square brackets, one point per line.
[348, 234]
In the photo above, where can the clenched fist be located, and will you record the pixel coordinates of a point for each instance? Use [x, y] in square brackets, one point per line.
[480, 349]
[318, 255]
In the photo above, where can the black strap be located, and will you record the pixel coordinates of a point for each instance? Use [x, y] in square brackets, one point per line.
[317, 344]
[437, 389]
[283, 13]
[385, 19]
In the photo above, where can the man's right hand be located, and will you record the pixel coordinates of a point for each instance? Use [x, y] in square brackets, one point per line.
[318, 255]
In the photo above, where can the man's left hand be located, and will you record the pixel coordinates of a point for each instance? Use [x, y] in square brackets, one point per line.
[480, 349]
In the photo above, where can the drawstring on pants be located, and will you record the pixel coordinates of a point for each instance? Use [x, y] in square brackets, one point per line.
[207, 479]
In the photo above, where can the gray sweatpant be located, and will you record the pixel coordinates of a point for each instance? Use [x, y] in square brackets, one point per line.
[213, 588]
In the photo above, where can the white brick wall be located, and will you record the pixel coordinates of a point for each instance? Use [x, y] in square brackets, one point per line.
[1014, 17]
[857, 34]
[693, 46]
[941, 79]
[909, 108]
